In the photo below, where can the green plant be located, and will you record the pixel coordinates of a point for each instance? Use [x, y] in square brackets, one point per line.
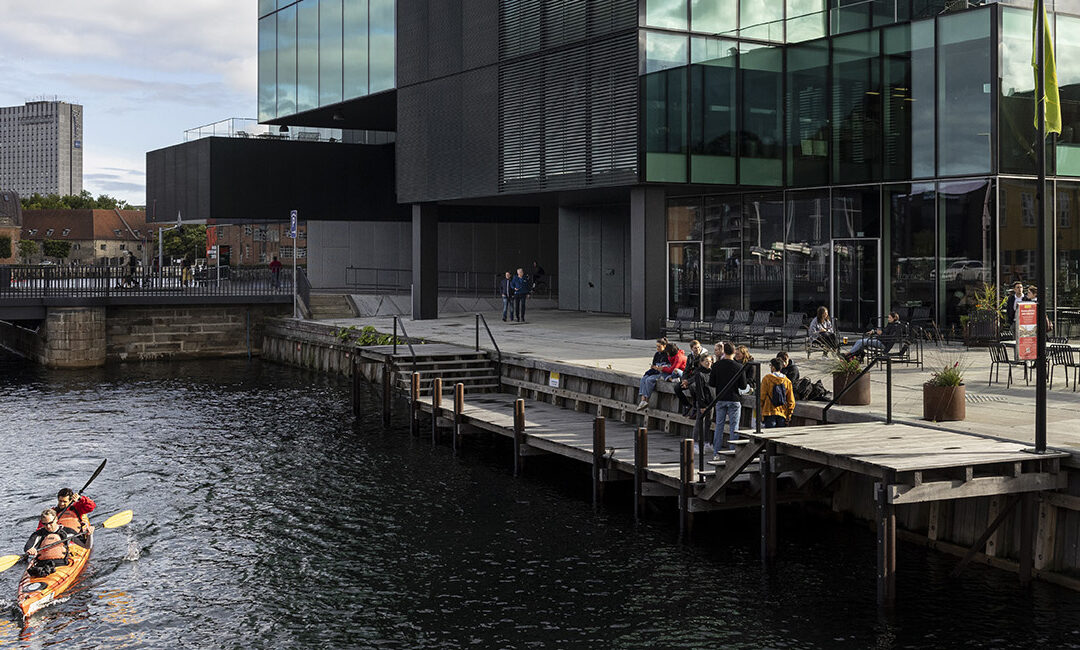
[27, 248]
[57, 249]
[5, 246]
[344, 333]
[845, 366]
[988, 299]
[948, 376]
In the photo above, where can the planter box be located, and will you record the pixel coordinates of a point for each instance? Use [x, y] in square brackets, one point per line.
[944, 403]
[859, 395]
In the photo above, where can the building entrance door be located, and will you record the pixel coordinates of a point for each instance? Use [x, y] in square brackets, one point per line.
[856, 272]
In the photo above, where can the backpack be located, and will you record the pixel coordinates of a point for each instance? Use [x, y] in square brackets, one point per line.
[818, 392]
[803, 388]
[778, 396]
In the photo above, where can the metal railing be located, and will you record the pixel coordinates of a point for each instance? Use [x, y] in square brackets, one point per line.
[702, 417]
[366, 279]
[480, 319]
[21, 282]
[398, 323]
[847, 387]
[303, 290]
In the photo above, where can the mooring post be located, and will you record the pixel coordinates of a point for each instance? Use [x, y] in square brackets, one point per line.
[387, 386]
[436, 407]
[886, 546]
[414, 404]
[519, 435]
[888, 390]
[598, 443]
[459, 409]
[641, 462]
[355, 386]
[1027, 536]
[768, 503]
[686, 486]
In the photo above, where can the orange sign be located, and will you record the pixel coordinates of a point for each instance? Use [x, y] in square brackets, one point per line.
[211, 242]
[1026, 330]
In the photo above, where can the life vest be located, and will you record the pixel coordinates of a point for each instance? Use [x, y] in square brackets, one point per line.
[57, 552]
[70, 520]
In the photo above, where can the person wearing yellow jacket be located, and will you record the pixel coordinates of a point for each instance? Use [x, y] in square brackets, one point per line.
[774, 412]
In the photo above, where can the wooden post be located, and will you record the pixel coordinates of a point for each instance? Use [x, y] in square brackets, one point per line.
[598, 444]
[686, 486]
[356, 386]
[436, 407]
[387, 385]
[1045, 535]
[414, 404]
[459, 408]
[768, 503]
[886, 548]
[641, 463]
[1027, 536]
[519, 435]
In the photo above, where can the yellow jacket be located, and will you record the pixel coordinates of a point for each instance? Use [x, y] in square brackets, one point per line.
[767, 407]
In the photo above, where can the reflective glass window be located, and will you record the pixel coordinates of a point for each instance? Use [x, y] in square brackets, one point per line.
[670, 14]
[968, 247]
[908, 101]
[848, 15]
[329, 52]
[856, 211]
[684, 219]
[910, 248]
[856, 108]
[286, 61]
[964, 128]
[267, 68]
[1016, 109]
[382, 45]
[266, 6]
[761, 136]
[354, 16]
[761, 20]
[722, 252]
[712, 110]
[808, 113]
[684, 278]
[806, 20]
[806, 252]
[664, 88]
[714, 16]
[1067, 222]
[1067, 53]
[307, 55]
[763, 258]
[1017, 227]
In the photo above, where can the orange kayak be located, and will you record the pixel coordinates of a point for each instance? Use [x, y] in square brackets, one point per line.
[36, 593]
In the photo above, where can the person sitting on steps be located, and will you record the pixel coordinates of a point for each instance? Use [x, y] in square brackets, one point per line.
[672, 371]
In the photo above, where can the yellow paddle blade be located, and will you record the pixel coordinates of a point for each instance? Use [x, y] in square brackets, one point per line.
[8, 561]
[119, 519]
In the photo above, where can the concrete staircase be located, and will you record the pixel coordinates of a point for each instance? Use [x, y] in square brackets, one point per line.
[473, 369]
[330, 305]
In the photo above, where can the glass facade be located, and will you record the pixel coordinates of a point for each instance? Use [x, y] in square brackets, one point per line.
[315, 53]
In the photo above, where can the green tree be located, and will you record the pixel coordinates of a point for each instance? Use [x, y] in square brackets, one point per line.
[185, 241]
[82, 201]
[57, 249]
[27, 248]
[5, 246]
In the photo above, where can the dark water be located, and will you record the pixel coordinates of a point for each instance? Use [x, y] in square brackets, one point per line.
[265, 517]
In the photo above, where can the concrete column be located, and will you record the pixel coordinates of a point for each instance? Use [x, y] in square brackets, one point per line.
[74, 337]
[648, 273]
[425, 261]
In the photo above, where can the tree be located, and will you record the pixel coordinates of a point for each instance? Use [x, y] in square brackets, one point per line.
[5, 246]
[82, 201]
[27, 248]
[57, 249]
[185, 241]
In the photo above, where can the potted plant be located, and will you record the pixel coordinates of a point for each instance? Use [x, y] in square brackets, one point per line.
[844, 371]
[944, 397]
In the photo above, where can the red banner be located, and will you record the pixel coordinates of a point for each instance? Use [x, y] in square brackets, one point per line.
[1026, 330]
[211, 241]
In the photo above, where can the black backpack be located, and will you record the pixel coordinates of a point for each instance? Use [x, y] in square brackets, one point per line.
[778, 396]
[803, 388]
[818, 392]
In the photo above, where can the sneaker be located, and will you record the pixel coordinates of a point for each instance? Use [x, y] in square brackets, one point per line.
[716, 457]
[644, 404]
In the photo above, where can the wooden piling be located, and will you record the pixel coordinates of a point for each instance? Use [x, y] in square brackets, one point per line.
[459, 409]
[414, 404]
[436, 408]
[387, 388]
[598, 443]
[356, 377]
[768, 503]
[641, 462]
[1027, 536]
[886, 546]
[519, 435]
[686, 486]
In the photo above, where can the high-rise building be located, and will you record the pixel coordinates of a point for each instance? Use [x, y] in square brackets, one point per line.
[41, 145]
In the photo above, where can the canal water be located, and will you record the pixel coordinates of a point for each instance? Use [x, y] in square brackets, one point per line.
[266, 517]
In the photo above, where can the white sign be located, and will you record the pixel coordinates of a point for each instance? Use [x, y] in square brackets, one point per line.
[292, 224]
[553, 380]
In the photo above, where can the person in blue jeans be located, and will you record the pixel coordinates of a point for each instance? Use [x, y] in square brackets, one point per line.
[521, 285]
[507, 292]
[728, 376]
[672, 371]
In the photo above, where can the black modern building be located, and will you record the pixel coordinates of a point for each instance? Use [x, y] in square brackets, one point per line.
[658, 154]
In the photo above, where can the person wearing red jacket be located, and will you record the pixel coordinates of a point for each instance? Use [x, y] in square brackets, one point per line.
[672, 371]
[73, 510]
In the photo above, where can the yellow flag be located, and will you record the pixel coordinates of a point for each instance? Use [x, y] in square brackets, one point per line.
[1050, 85]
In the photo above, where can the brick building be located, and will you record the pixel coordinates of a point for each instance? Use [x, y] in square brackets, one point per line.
[96, 236]
[255, 244]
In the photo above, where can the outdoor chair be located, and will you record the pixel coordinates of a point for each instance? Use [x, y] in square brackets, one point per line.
[1063, 355]
[684, 322]
[792, 329]
[714, 330]
[737, 325]
[904, 313]
[755, 330]
[999, 355]
[907, 349]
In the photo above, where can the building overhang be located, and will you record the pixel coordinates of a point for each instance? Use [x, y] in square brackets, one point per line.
[376, 112]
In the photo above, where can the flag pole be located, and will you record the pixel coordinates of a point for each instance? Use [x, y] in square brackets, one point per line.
[1040, 245]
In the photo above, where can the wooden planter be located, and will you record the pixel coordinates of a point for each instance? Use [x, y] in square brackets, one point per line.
[859, 395]
[944, 403]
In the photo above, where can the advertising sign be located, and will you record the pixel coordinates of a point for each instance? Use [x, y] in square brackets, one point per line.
[292, 224]
[211, 240]
[1026, 323]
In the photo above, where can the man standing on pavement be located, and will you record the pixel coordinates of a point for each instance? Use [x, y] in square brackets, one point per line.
[728, 407]
[507, 293]
[521, 286]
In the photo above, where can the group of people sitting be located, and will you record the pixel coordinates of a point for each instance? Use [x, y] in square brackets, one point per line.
[48, 546]
[701, 375]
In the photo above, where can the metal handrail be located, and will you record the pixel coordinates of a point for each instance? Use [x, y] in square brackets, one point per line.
[712, 405]
[480, 318]
[405, 334]
[888, 390]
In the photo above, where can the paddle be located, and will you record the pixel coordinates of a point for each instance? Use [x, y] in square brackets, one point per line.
[115, 521]
[95, 475]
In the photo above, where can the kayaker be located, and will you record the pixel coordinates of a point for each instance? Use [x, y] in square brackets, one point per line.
[50, 532]
[74, 509]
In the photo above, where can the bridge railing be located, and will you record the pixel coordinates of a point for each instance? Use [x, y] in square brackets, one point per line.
[21, 282]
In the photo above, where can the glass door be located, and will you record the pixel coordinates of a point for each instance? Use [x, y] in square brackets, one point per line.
[684, 277]
[856, 283]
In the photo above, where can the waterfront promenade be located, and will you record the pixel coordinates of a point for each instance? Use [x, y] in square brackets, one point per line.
[603, 341]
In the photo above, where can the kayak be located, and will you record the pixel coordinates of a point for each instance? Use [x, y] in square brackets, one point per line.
[35, 593]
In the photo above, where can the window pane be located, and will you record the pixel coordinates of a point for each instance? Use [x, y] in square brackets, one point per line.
[1067, 54]
[909, 132]
[856, 108]
[763, 20]
[286, 61]
[684, 219]
[763, 241]
[1068, 259]
[966, 229]
[266, 6]
[1016, 103]
[307, 55]
[964, 93]
[849, 15]
[670, 14]
[1017, 226]
[761, 136]
[663, 51]
[665, 107]
[806, 252]
[722, 249]
[856, 212]
[805, 20]
[267, 68]
[684, 278]
[382, 45]
[807, 114]
[329, 52]
[355, 48]
[712, 110]
[910, 246]
[713, 16]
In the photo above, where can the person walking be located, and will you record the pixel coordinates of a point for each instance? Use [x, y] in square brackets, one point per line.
[777, 397]
[507, 293]
[185, 272]
[1016, 296]
[521, 286]
[728, 376]
[275, 273]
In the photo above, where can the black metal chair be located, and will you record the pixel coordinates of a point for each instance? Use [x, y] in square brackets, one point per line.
[713, 330]
[907, 349]
[737, 325]
[756, 329]
[683, 322]
[999, 355]
[1063, 355]
[792, 329]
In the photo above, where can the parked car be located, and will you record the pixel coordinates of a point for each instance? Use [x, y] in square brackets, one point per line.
[964, 270]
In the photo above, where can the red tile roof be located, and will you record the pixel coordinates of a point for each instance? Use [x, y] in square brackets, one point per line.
[122, 225]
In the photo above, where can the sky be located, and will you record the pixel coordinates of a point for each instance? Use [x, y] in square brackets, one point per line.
[143, 71]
